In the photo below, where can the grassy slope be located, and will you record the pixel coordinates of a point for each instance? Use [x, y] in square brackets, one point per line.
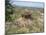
[37, 23]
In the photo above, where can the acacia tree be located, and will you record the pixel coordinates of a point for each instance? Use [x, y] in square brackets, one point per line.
[8, 10]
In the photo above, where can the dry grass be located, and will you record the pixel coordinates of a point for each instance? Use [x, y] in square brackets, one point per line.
[37, 24]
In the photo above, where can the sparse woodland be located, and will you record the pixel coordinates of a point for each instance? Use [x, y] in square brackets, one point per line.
[23, 19]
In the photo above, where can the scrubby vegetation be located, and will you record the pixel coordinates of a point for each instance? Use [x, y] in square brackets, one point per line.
[16, 23]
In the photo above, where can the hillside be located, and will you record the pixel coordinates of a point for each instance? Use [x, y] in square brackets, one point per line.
[32, 24]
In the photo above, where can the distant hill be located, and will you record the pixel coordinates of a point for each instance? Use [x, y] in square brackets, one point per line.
[30, 8]
[27, 7]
